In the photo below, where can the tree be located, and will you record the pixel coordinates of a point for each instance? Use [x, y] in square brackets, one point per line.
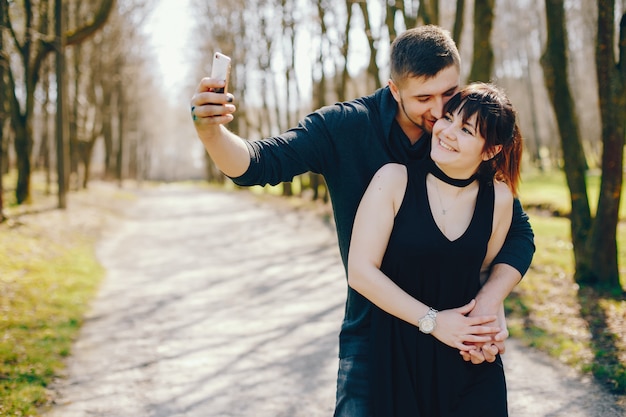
[611, 73]
[32, 51]
[593, 239]
[3, 104]
[482, 62]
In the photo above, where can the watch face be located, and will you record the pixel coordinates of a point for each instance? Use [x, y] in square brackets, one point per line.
[427, 325]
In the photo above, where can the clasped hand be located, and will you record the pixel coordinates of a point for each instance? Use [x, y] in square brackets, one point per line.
[478, 338]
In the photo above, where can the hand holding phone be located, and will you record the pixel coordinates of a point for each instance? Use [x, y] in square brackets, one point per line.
[221, 70]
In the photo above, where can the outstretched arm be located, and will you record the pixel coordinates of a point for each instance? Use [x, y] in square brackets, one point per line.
[210, 111]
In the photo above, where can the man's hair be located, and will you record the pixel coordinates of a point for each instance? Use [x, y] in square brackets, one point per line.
[422, 52]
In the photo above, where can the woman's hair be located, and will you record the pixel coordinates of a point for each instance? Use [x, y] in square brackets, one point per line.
[496, 120]
[422, 52]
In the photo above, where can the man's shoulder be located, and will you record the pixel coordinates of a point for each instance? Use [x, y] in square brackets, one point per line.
[365, 105]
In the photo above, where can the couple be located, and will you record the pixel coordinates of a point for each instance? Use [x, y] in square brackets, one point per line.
[385, 361]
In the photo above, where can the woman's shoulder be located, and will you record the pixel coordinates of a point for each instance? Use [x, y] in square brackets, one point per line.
[503, 196]
[392, 172]
[391, 177]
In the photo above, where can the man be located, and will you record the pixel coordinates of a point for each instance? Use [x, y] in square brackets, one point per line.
[347, 143]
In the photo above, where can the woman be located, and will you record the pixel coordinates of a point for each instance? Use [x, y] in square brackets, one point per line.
[422, 236]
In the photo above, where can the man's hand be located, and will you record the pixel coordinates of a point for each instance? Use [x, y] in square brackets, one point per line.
[210, 109]
[488, 351]
[456, 329]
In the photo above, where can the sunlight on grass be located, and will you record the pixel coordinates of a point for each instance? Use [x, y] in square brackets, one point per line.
[548, 190]
[549, 311]
[45, 288]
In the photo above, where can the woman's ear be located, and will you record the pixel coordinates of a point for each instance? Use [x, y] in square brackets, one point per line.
[487, 155]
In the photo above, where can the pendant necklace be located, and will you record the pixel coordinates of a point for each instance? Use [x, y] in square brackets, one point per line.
[459, 183]
[443, 209]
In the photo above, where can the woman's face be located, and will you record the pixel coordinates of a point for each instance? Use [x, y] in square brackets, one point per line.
[457, 146]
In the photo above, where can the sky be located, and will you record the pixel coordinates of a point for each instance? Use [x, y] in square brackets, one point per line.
[169, 27]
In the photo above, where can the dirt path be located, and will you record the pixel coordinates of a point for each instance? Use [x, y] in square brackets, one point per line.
[216, 304]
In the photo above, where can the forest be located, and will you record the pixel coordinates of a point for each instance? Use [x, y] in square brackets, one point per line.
[73, 112]
[82, 98]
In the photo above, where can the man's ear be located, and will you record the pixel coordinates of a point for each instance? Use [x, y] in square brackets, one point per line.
[487, 155]
[395, 91]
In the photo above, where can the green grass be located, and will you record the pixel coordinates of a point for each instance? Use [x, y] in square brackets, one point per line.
[43, 297]
[584, 328]
[548, 191]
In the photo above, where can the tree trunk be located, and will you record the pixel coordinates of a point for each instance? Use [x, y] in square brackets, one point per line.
[33, 50]
[602, 245]
[554, 63]
[3, 111]
[23, 145]
[372, 67]
[457, 30]
[429, 12]
[61, 130]
[482, 61]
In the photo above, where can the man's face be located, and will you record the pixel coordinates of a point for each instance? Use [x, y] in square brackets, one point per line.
[421, 100]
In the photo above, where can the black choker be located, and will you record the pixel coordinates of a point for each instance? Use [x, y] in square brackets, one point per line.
[437, 172]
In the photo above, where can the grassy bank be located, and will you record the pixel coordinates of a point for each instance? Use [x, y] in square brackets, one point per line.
[548, 310]
[48, 276]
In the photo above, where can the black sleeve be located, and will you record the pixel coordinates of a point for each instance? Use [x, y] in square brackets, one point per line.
[519, 247]
[307, 147]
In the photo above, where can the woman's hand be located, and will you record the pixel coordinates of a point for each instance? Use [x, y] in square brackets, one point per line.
[457, 330]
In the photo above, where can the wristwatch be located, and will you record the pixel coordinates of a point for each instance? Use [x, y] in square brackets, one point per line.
[428, 323]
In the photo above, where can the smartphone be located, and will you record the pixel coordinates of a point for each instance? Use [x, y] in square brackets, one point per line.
[221, 70]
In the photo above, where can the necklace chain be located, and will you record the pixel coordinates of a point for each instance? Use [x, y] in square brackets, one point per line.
[444, 210]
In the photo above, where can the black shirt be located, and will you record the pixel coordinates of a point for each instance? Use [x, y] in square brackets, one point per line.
[347, 143]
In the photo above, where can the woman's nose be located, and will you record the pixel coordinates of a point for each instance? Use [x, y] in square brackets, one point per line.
[449, 131]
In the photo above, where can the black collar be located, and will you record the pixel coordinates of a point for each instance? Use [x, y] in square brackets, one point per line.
[437, 172]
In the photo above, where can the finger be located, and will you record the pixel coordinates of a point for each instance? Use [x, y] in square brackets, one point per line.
[466, 356]
[209, 110]
[481, 329]
[489, 352]
[214, 120]
[502, 335]
[493, 350]
[467, 307]
[479, 320]
[477, 357]
[210, 98]
[474, 338]
[500, 346]
[209, 84]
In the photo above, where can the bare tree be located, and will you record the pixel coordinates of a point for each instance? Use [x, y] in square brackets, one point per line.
[3, 103]
[32, 50]
[458, 21]
[482, 62]
[594, 239]
[601, 261]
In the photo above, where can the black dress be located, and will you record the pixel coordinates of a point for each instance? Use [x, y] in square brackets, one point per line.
[414, 374]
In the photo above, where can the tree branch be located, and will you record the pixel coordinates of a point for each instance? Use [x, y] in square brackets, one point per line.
[81, 34]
